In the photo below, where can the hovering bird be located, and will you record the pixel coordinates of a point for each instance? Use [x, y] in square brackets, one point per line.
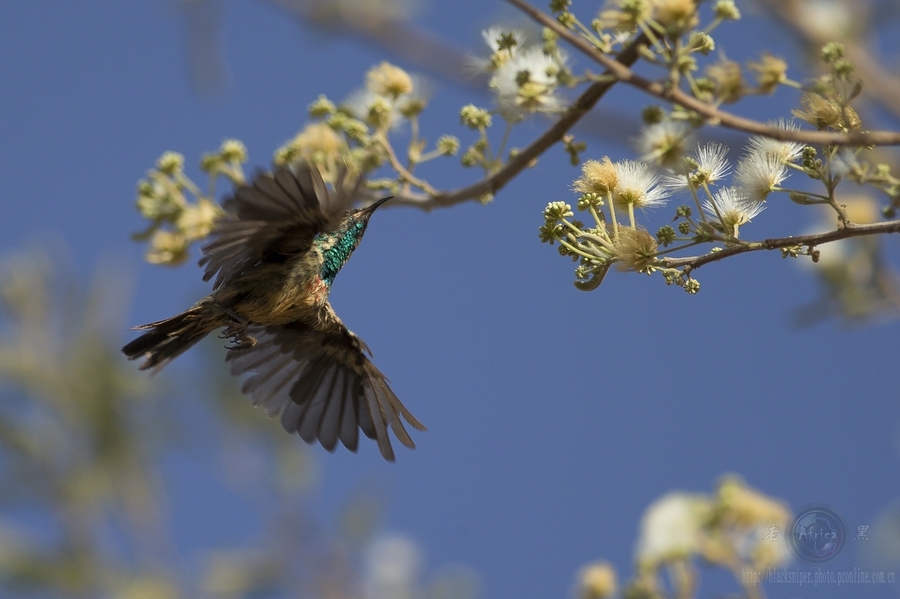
[274, 258]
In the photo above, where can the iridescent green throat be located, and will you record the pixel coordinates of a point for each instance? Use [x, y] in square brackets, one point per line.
[336, 248]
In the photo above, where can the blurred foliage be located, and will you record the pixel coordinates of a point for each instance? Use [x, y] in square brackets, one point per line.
[858, 282]
[77, 433]
[84, 497]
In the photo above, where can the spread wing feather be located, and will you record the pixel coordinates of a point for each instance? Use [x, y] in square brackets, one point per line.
[277, 216]
[322, 385]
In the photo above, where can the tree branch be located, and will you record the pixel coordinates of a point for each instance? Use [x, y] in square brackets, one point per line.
[712, 114]
[850, 230]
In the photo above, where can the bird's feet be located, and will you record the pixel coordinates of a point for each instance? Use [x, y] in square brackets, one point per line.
[236, 333]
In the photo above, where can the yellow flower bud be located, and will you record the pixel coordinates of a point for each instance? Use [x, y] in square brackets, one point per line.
[596, 581]
[388, 80]
[597, 177]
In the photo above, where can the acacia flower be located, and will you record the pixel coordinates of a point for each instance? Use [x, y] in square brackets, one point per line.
[317, 138]
[167, 247]
[625, 16]
[665, 142]
[474, 117]
[499, 39]
[786, 151]
[672, 528]
[732, 208]
[823, 111]
[726, 10]
[170, 163]
[596, 581]
[758, 174]
[196, 222]
[770, 72]
[552, 229]
[637, 186]
[729, 80]
[370, 105]
[747, 507]
[597, 177]
[504, 44]
[556, 211]
[676, 15]
[711, 167]
[635, 250]
[748, 514]
[527, 83]
[158, 199]
[389, 80]
[233, 150]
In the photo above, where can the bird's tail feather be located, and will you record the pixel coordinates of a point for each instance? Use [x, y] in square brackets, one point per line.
[169, 338]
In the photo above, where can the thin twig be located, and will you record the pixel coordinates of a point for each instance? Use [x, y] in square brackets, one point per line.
[404, 173]
[849, 230]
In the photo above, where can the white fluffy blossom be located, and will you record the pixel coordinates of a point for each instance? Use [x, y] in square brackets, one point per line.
[758, 174]
[732, 208]
[712, 167]
[637, 185]
[392, 567]
[665, 142]
[477, 65]
[528, 83]
[360, 102]
[671, 528]
[786, 151]
[493, 34]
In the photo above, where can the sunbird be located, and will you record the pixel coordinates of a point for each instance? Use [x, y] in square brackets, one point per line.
[274, 258]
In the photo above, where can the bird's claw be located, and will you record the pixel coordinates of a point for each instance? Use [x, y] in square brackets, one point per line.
[237, 334]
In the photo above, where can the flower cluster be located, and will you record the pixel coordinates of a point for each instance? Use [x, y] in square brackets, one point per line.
[528, 82]
[724, 202]
[722, 197]
[719, 210]
[733, 528]
[620, 188]
[525, 79]
[355, 135]
[176, 221]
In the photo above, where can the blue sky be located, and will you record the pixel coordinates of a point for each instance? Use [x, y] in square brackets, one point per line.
[555, 416]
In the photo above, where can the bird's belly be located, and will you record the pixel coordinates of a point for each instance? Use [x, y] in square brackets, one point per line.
[299, 300]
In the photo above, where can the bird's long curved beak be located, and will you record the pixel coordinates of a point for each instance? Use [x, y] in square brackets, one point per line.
[368, 210]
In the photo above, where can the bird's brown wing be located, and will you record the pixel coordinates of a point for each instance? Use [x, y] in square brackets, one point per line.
[275, 217]
[322, 385]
